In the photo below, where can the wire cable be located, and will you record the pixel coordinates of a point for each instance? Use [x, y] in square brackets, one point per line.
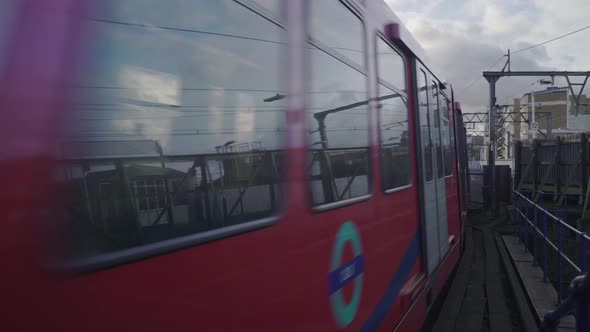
[150, 26]
[526, 49]
[550, 40]
[479, 77]
[521, 90]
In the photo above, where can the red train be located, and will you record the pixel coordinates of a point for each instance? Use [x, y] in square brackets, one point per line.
[187, 165]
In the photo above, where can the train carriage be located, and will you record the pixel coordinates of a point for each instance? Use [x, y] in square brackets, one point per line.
[224, 165]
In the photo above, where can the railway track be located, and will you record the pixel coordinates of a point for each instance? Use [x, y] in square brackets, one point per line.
[479, 298]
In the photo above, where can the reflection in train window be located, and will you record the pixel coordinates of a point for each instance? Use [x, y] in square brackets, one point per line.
[390, 65]
[436, 135]
[447, 135]
[274, 7]
[425, 125]
[393, 117]
[178, 123]
[336, 27]
[337, 116]
[9, 10]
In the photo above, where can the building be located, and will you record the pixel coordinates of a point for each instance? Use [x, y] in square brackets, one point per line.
[477, 152]
[555, 110]
[150, 189]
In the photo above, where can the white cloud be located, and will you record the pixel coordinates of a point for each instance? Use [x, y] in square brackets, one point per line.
[499, 22]
[481, 31]
[150, 85]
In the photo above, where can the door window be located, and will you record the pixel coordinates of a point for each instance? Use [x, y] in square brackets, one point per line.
[425, 125]
[393, 118]
[447, 136]
[8, 13]
[436, 134]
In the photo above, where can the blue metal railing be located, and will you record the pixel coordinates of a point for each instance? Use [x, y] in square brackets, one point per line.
[526, 215]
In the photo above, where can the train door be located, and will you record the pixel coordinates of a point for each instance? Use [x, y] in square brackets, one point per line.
[433, 203]
[428, 185]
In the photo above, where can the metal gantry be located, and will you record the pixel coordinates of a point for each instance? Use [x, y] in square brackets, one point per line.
[483, 117]
[503, 117]
[493, 76]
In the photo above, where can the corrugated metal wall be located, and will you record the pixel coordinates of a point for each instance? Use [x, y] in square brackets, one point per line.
[558, 165]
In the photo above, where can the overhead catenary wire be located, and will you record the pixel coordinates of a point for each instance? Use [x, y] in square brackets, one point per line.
[528, 86]
[550, 40]
[521, 90]
[525, 49]
[152, 26]
[479, 77]
[212, 33]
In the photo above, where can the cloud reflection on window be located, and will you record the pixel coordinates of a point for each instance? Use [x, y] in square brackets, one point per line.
[191, 80]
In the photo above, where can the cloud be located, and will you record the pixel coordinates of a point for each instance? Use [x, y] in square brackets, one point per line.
[463, 46]
[568, 58]
[150, 85]
[462, 60]
[407, 4]
[540, 52]
[499, 22]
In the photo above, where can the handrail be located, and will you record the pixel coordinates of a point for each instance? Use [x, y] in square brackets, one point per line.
[579, 291]
[549, 214]
[554, 246]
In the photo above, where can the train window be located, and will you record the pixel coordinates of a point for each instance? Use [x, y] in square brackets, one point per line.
[424, 125]
[272, 6]
[446, 136]
[390, 65]
[452, 123]
[437, 134]
[393, 115]
[336, 27]
[178, 125]
[8, 13]
[337, 113]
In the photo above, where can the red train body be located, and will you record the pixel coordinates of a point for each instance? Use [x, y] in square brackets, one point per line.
[156, 177]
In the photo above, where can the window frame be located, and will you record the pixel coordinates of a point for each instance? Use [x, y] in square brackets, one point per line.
[264, 11]
[390, 86]
[424, 72]
[450, 135]
[438, 127]
[106, 260]
[364, 71]
[8, 26]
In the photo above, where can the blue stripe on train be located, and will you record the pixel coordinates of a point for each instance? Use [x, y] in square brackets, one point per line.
[346, 273]
[395, 286]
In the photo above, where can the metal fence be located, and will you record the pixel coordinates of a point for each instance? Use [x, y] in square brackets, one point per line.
[480, 186]
[558, 248]
[558, 165]
[476, 186]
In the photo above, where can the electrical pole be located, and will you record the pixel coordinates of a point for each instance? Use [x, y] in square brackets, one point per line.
[492, 77]
[492, 152]
[533, 118]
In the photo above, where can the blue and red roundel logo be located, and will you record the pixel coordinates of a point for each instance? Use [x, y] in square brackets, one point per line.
[343, 273]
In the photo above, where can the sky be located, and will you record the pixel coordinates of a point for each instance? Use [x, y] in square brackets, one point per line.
[464, 38]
